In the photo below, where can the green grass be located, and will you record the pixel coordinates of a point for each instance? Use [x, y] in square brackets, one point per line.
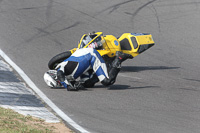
[12, 122]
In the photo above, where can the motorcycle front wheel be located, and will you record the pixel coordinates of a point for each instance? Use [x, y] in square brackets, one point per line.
[58, 59]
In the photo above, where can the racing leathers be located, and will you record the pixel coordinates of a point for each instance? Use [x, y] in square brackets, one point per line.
[83, 61]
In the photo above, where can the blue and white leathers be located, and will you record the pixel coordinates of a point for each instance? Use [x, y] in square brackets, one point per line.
[87, 58]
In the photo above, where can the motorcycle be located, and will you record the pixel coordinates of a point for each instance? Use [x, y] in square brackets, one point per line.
[129, 43]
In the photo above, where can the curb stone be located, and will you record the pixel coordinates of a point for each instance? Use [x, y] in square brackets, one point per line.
[15, 95]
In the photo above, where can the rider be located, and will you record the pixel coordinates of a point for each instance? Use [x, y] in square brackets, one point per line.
[80, 64]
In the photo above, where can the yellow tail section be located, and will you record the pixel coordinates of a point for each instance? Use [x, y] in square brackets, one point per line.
[135, 43]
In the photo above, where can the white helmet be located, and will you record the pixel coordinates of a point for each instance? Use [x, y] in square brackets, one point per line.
[50, 78]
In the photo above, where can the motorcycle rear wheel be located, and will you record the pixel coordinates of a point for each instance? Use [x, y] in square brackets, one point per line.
[58, 59]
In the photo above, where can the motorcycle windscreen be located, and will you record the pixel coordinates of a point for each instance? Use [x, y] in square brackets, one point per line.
[135, 43]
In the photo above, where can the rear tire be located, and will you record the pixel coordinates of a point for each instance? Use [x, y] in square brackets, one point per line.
[58, 59]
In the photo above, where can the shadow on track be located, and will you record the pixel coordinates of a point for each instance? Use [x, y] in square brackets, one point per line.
[125, 69]
[144, 68]
[124, 87]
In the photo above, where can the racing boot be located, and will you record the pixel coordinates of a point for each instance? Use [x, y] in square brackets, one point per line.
[112, 76]
[115, 68]
[120, 57]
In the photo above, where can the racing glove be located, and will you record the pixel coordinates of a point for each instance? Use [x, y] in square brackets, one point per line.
[67, 86]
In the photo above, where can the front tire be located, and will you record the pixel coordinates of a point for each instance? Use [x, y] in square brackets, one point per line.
[58, 59]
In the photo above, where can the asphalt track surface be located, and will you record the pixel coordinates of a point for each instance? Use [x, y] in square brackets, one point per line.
[158, 91]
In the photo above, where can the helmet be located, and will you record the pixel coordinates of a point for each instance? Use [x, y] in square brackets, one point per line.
[50, 78]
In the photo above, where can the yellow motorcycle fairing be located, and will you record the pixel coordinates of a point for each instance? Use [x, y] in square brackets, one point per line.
[130, 43]
[109, 42]
[112, 45]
